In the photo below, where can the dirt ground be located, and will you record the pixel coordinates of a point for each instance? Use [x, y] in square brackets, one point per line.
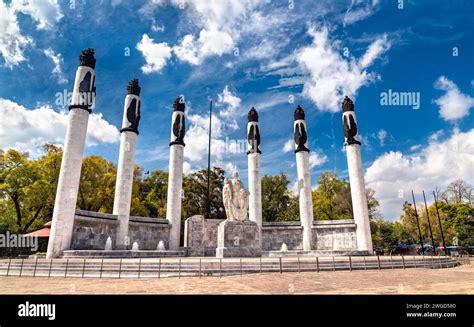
[458, 280]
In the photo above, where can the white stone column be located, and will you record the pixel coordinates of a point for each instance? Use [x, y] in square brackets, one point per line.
[126, 163]
[69, 176]
[304, 178]
[356, 177]
[175, 178]
[253, 156]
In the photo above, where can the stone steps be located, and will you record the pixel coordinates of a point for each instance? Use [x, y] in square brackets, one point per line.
[152, 268]
[98, 254]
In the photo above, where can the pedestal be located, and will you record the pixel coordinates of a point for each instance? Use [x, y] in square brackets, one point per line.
[359, 199]
[305, 198]
[238, 239]
[123, 190]
[175, 186]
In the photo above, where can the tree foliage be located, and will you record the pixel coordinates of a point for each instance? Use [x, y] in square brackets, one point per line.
[28, 190]
[195, 194]
[278, 204]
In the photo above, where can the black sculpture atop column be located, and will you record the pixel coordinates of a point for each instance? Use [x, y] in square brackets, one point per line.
[178, 124]
[349, 122]
[253, 136]
[301, 136]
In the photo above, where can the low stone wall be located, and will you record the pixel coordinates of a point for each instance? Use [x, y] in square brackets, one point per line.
[335, 235]
[200, 235]
[274, 234]
[91, 230]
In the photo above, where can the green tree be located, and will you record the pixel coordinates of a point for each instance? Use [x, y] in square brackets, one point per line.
[139, 205]
[97, 185]
[278, 204]
[459, 220]
[195, 194]
[27, 188]
[153, 193]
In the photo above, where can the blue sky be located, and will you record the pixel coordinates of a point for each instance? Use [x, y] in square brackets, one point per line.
[271, 55]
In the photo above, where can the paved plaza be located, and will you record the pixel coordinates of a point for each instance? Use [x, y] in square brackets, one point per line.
[458, 280]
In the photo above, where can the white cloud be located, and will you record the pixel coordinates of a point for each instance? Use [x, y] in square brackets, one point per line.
[436, 135]
[187, 168]
[359, 10]
[415, 147]
[453, 105]
[12, 42]
[316, 158]
[223, 121]
[394, 174]
[289, 146]
[210, 42]
[156, 54]
[375, 49]
[46, 13]
[58, 61]
[26, 130]
[382, 135]
[197, 138]
[220, 24]
[330, 75]
[230, 103]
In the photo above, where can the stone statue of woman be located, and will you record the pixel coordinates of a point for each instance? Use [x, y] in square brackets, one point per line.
[235, 199]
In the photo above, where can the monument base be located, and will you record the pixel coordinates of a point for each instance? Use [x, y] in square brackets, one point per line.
[238, 239]
[313, 253]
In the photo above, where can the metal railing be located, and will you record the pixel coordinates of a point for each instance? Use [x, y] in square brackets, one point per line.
[199, 267]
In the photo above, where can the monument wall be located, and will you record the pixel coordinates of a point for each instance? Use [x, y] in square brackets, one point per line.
[200, 235]
[91, 230]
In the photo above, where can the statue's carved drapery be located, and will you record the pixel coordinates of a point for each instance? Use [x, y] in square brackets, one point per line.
[235, 198]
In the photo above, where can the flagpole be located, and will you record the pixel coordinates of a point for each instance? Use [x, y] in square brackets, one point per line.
[208, 204]
[418, 223]
[429, 222]
[439, 221]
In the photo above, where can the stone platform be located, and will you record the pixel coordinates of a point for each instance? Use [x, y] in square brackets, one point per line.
[238, 239]
[122, 253]
[312, 253]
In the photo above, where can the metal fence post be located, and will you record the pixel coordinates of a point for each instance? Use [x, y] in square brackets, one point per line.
[139, 267]
[260, 264]
[21, 268]
[414, 261]
[220, 267]
[101, 267]
[83, 268]
[9, 263]
[281, 267]
[240, 266]
[391, 260]
[365, 264]
[179, 268]
[36, 264]
[50, 266]
[67, 264]
[350, 263]
[199, 268]
[403, 262]
[317, 264]
[159, 268]
[299, 268]
[120, 268]
[333, 264]
[378, 259]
